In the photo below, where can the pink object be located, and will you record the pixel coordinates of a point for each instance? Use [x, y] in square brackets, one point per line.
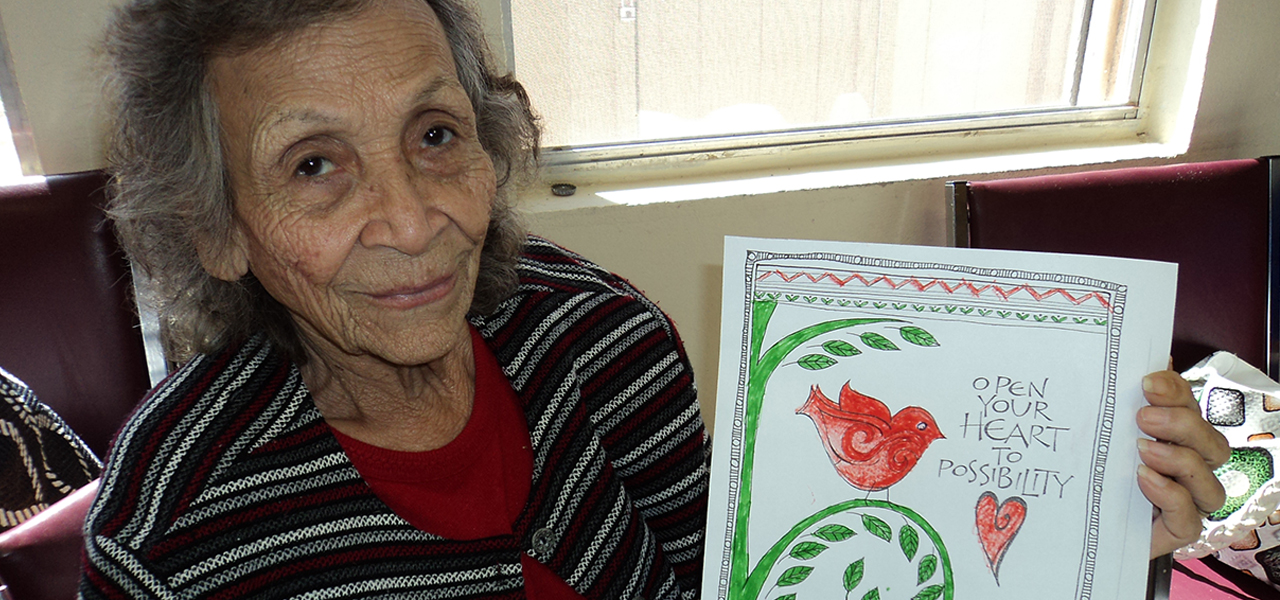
[1208, 579]
[65, 519]
[40, 559]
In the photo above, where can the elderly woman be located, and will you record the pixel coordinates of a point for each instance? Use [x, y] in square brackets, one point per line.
[391, 390]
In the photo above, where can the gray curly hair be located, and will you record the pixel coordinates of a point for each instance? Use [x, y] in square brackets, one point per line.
[170, 185]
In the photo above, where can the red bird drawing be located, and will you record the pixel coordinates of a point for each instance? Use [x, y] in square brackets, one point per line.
[870, 449]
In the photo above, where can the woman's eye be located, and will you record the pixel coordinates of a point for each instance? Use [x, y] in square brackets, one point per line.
[437, 136]
[314, 166]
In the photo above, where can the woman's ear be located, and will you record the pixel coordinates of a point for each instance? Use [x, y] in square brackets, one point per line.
[228, 258]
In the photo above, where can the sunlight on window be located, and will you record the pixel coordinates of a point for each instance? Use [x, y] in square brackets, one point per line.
[632, 70]
[10, 166]
[14, 130]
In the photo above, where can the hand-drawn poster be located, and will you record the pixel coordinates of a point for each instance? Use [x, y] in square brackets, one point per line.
[931, 423]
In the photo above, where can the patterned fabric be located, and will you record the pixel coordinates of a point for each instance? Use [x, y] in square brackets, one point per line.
[41, 459]
[228, 484]
[1244, 406]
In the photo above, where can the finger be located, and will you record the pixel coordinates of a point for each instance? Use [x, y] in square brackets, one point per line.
[1166, 388]
[1177, 522]
[1185, 427]
[1174, 416]
[1187, 469]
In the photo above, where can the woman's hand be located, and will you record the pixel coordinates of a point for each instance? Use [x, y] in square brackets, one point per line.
[1177, 474]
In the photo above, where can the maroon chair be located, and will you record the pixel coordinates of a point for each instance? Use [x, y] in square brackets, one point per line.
[42, 555]
[68, 328]
[1213, 219]
[1217, 220]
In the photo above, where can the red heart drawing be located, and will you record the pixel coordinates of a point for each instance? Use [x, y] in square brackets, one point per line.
[997, 526]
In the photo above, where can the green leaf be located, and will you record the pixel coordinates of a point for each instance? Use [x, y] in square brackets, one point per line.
[928, 566]
[932, 592]
[807, 550]
[874, 594]
[834, 533]
[853, 575]
[877, 527]
[877, 341]
[918, 336]
[909, 540]
[787, 597]
[813, 362]
[794, 575]
[840, 348]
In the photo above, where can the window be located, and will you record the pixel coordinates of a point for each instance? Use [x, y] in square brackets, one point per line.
[17, 147]
[620, 79]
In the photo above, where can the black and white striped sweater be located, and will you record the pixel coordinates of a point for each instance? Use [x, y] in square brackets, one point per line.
[228, 484]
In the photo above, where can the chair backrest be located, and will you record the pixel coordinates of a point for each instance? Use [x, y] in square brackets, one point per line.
[1213, 219]
[68, 326]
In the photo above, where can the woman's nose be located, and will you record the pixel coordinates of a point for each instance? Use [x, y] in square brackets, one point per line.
[400, 216]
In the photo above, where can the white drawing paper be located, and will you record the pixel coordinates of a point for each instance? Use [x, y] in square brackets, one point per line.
[931, 423]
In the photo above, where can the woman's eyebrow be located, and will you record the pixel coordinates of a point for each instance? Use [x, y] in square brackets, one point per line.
[436, 86]
[288, 119]
[305, 116]
[311, 117]
[308, 116]
[270, 133]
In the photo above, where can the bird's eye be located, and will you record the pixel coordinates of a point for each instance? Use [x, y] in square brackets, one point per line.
[437, 136]
[922, 426]
[314, 166]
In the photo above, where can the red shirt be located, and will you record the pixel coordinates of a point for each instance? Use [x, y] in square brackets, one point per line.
[473, 487]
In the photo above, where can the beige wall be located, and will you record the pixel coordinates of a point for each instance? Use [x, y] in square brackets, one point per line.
[673, 251]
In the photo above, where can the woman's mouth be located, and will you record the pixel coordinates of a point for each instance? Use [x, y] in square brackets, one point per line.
[413, 296]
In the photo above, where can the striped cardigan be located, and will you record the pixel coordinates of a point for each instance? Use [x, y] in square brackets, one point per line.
[228, 484]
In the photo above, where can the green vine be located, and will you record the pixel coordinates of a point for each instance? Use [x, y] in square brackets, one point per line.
[908, 535]
[763, 362]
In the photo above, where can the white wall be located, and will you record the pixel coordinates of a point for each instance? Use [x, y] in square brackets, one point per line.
[673, 251]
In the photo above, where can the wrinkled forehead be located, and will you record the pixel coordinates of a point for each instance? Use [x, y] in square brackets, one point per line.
[277, 28]
[247, 25]
[407, 28]
[388, 50]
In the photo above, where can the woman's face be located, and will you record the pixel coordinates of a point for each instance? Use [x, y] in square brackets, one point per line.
[362, 193]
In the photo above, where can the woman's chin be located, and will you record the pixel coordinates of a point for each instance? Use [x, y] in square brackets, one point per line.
[409, 343]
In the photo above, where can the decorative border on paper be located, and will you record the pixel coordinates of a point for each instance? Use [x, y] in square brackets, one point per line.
[984, 286]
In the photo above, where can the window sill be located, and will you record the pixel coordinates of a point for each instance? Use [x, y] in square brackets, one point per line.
[638, 191]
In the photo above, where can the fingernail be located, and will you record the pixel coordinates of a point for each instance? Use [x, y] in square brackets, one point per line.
[1147, 446]
[1153, 384]
[1151, 477]
[1153, 415]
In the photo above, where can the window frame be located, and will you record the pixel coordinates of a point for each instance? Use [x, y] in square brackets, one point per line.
[1156, 122]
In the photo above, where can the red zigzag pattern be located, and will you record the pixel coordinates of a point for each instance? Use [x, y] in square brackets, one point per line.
[951, 288]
